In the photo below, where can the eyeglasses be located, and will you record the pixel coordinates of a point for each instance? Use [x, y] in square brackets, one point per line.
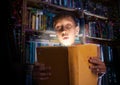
[62, 28]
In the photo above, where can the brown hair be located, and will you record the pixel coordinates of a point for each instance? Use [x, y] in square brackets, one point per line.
[64, 15]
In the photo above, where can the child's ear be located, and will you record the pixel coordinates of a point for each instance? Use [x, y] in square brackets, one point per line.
[77, 30]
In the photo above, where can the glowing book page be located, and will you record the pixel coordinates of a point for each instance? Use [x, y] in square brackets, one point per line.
[80, 74]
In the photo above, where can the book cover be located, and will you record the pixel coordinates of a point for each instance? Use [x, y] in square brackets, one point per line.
[69, 65]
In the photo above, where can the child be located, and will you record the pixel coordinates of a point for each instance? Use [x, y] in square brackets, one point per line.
[66, 29]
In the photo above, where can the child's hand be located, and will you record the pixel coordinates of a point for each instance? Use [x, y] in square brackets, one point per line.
[98, 67]
[41, 72]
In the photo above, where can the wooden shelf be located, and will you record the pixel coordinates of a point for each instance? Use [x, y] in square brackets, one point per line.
[97, 40]
[57, 8]
[35, 32]
[48, 5]
[95, 15]
[103, 39]
[109, 42]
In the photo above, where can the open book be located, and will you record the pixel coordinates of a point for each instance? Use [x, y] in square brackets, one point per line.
[69, 65]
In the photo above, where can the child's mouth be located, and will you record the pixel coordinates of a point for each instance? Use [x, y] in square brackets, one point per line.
[65, 38]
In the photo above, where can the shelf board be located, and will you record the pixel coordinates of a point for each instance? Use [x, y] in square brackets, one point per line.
[58, 7]
[95, 15]
[96, 40]
[103, 39]
[30, 31]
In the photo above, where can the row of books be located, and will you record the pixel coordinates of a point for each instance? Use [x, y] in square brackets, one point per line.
[100, 29]
[39, 20]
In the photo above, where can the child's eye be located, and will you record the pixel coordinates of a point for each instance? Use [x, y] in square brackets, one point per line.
[68, 26]
[58, 28]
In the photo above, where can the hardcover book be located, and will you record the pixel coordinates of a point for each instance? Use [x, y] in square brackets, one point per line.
[69, 65]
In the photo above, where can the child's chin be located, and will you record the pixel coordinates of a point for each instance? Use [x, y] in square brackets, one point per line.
[66, 44]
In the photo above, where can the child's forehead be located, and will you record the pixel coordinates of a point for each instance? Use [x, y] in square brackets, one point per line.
[65, 19]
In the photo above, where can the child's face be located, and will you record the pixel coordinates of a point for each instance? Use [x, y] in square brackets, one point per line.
[66, 31]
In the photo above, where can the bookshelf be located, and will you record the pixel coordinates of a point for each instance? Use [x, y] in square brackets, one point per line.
[86, 17]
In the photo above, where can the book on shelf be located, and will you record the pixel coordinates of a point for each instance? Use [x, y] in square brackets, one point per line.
[69, 65]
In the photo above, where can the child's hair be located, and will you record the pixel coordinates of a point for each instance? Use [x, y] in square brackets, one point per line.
[63, 15]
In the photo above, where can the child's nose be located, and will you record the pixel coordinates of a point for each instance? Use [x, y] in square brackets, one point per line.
[64, 32]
